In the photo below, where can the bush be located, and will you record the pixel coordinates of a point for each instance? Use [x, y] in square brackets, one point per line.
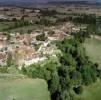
[3, 70]
[14, 19]
[41, 37]
[78, 90]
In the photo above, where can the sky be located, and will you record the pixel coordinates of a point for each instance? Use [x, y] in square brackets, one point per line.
[49, 0]
[63, 0]
[98, 0]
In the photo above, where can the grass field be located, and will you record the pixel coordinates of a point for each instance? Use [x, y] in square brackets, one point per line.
[93, 49]
[24, 29]
[13, 88]
[4, 25]
[92, 92]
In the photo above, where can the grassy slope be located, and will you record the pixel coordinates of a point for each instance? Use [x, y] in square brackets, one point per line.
[93, 92]
[93, 48]
[25, 28]
[4, 25]
[23, 89]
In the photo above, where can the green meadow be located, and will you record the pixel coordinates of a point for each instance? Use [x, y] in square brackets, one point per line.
[15, 88]
[93, 49]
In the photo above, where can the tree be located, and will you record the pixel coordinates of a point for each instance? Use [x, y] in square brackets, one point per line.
[41, 37]
[14, 19]
[89, 74]
[29, 31]
[9, 60]
[22, 18]
[65, 95]
[78, 89]
[76, 78]
[51, 33]
[8, 35]
[54, 82]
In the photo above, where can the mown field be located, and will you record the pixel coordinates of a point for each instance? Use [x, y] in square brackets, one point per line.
[5, 25]
[92, 92]
[15, 88]
[93, 49]
[24, 29]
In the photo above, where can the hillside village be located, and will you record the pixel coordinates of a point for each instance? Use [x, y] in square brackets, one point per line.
[50, 52]
[25, 49]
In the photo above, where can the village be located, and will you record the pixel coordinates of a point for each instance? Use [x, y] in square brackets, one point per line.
[50, 49]
[27, 49]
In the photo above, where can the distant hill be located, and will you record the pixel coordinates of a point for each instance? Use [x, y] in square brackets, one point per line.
[16, 3]
[32, 3]
[72, 2]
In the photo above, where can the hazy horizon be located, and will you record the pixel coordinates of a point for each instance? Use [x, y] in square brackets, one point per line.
[35, 2]
[45, 0]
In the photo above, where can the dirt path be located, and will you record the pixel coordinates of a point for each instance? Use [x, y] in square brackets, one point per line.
[96, 37]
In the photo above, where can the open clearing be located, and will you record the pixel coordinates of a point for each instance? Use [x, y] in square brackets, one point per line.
[93, 49]
[24, 29]
[92, 92]
[4, 25]
[13, 88]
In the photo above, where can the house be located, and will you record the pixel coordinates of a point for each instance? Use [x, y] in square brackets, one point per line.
[20, 53]
[57, 36]
[78, 28]
[75, 29]
[21, 39]
[3, 44]
[37, 11]
[34, 58]
[26, 55]
[3, 17]
[3, 37]
[47, 49]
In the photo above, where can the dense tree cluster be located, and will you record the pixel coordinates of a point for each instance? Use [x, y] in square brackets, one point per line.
[93, 22]
[45, 22]
[85, 19]
[17, 23]
[47, 12]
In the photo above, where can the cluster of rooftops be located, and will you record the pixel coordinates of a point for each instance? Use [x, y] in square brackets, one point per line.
[25, 49]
